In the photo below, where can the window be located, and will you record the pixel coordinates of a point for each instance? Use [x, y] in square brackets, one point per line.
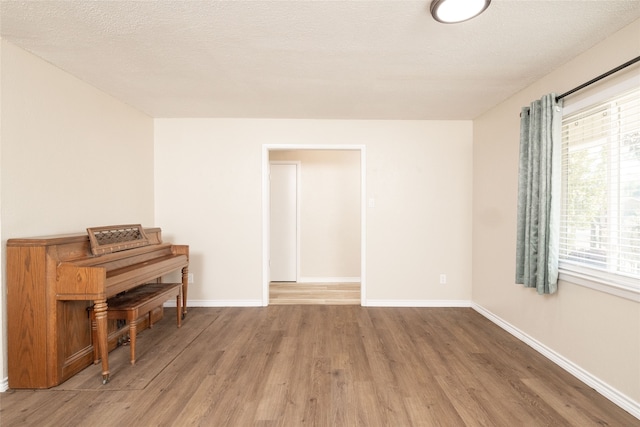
[600, 222]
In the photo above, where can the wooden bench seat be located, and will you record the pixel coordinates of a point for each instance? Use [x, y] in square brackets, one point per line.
[137, 302]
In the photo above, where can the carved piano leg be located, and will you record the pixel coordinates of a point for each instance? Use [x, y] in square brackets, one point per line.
[185, 286]
[94, 338]
[100, 311]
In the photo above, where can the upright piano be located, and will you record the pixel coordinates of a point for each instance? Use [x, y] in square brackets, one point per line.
[51, 284]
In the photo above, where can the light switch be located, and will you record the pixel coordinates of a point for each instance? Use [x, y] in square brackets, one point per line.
[372, 202]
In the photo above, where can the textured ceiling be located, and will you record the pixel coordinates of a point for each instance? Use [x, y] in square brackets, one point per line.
[309, 59]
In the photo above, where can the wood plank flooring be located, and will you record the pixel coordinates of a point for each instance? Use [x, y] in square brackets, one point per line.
[321, 365]
[314, 293]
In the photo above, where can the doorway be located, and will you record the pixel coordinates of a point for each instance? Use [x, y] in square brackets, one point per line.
[284, 219]
[271, 152]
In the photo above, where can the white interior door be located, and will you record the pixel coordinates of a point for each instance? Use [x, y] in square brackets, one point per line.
[284, 236]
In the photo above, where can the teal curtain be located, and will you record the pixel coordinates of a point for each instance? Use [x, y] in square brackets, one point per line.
[539, 195]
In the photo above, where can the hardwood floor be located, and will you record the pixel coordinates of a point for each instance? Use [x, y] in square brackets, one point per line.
[314, 293]
[321, 365]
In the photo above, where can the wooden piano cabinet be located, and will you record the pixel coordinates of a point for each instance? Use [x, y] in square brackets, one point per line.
[28, 320]
[52, 281]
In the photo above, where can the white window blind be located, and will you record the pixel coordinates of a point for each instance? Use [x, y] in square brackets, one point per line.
[600, 223]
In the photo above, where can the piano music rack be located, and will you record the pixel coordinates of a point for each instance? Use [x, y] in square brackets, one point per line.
[114, 238]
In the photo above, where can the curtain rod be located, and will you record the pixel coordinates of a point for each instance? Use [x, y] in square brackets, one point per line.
[600, 77]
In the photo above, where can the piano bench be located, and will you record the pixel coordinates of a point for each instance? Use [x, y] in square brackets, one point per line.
[134, 303]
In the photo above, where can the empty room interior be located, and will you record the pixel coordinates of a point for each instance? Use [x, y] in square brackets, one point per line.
[369, 150]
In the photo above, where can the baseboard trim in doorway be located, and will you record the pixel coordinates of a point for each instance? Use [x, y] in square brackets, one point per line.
[219, 303]
[329, 280]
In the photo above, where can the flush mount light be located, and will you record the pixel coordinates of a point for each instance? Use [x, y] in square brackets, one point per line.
[452, 11]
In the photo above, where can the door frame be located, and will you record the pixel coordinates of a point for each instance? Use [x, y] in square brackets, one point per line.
[298, 165]
[266, 218]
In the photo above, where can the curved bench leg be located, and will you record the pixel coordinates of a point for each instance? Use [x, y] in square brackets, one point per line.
[133, 326]
[179, 308]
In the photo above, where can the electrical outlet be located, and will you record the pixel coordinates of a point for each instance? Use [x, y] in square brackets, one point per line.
[190, 278]
[443, 279]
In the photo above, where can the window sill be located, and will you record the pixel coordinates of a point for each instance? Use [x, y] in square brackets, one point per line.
[599, 284]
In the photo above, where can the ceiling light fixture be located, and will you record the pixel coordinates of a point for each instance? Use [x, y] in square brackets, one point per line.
[453, 11]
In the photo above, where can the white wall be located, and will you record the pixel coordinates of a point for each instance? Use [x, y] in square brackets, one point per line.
[595, 331]
[329, 212]
[208, 195]
[72, 157]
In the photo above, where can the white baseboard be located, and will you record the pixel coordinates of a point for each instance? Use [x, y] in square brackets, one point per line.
[369, 303]
[218, 303]
[417, 303]
[4, 384]
[620, 399]
[328, 280]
